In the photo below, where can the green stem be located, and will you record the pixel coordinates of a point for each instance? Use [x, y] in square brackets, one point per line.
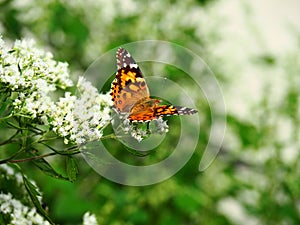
[40, 140]
[72, 148]
[15, 126]
[24, 137]
[23, 115]
[6, 117]
[109, 136]
[37, 130]
[69, 151]
[48, 139]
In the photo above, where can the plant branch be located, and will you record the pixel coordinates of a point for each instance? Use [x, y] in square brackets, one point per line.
[31, 158]
[12, 156]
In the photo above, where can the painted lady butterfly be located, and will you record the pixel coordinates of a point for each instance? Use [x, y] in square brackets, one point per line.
[130, 93]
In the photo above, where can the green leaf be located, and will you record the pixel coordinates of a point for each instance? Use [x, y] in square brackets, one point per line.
[5, 107]
[44, 166]
[72, 169]
[33, 193]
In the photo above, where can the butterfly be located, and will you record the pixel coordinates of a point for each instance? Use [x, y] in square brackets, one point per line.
[131, 96]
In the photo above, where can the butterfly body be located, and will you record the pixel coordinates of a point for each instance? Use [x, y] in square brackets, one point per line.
[130, 93]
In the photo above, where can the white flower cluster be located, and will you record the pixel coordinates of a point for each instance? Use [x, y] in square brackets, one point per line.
[158, 126]
[81, 119]
[16, 211]
[89, 219]
[19, 213]
[31, 74]
[9, 173]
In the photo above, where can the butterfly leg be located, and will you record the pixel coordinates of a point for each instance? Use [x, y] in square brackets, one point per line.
[148, 128]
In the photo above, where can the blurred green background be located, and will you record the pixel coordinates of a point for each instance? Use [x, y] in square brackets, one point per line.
[253, 49]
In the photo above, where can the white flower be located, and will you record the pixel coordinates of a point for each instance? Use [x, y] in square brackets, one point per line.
[160, 126]
[236, 212]
[19, 213]
[10, 174]
[81, 119]
[8, 170]
[140, 131]
[32, 74]
[89, 219]
[138, 134]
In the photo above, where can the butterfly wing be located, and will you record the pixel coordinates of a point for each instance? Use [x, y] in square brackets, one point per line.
[159, 111]
[168, 110]
[129, 86]
[147, 115]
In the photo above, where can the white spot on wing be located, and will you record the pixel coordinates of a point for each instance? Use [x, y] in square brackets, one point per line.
[133, 65]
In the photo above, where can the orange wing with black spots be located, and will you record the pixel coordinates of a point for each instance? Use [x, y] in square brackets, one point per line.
[130, 93]
[129, 86]
[159, 111]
